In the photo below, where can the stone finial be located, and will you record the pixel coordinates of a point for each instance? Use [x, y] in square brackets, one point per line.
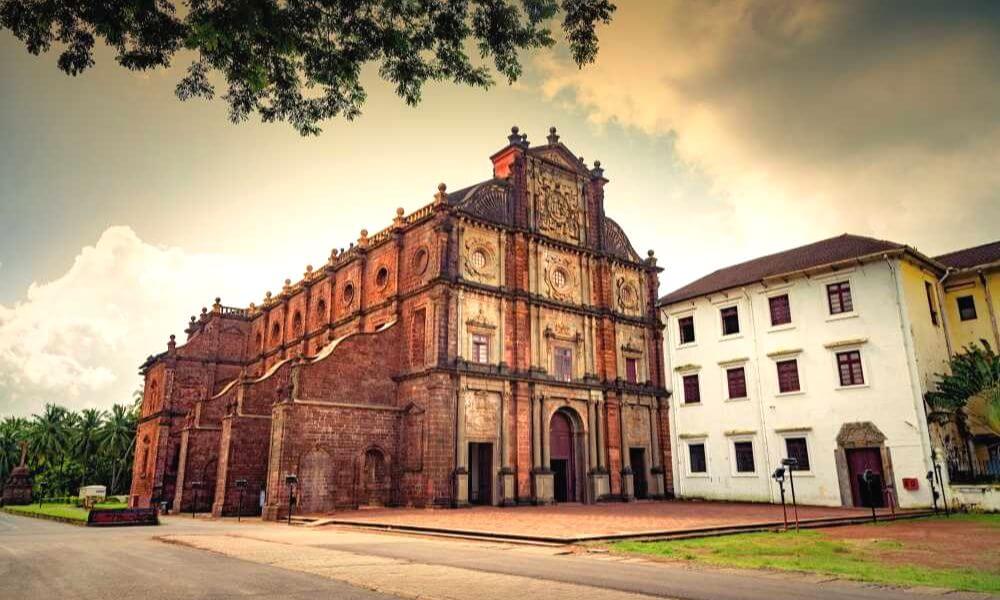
[515, 137]
[650, 253]
[363, 239]
[441, 197]
[308, 273]
[172, 344]
[597, 171]
[524, 140]
[553, 137]
[398, 221]
[582, 162]
[204, 313]
[217, 305]
[193, 319]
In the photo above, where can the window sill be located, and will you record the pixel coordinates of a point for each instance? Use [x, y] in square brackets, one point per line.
[744, 399]
[795, 393]
[685, 404]
[806, 474]
[731, 336]
[686, 345]
[783, 327]
[852, 387]
[698, 476]
[842, 316]
[753, 475]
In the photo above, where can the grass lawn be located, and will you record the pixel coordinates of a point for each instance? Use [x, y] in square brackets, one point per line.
[65, 511]
[876, 558]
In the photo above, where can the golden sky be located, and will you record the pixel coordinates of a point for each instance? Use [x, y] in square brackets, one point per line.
[727, 129]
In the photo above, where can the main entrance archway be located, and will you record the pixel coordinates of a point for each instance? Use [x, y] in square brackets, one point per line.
[562, 458]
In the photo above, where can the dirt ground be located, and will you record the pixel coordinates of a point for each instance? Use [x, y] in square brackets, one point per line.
[580, 520]
[941, 542]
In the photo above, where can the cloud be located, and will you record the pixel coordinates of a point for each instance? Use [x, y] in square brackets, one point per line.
[810, 118]
[78, 340]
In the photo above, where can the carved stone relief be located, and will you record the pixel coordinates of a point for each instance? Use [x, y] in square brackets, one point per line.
[481, 411]
[480, 259]
[561, 277]
[628, 294]
[557, 202]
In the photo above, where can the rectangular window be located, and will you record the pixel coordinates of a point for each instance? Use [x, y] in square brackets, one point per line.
[839, 297]
[931, 304]
[418, 339]
[737, 380]
[781, 313]
[796, 448]
[564, 364]
[788, 376]
[480, 348]
[849, 365]
[692, 394]
[697, 463]
[632, 370]
[686, 328]
[744, 457]
[966, 308]
[730, 320]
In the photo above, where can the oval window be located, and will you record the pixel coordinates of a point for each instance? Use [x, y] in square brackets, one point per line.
[348, 294]
[382, 277]
[479, 259]
[420, 260]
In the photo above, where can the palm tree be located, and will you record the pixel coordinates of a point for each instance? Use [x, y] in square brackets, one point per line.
[12, 431]
[117, 439]
[87, 437]
[50, 435]
[975, 372]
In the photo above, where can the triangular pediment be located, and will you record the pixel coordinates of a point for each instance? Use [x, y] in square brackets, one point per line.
[559, 154]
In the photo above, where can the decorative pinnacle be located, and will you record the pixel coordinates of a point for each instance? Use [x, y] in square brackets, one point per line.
[553, 138]
[597, 171]
[441, 196]
[514, 138]
[650, 254]
[400, 211]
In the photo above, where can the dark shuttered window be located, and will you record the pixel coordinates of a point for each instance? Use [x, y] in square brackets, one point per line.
[696, 452]
[686, 328]
[788, 376]
[781, 313]
[737, 380]
[692, 394]
[839, 297]
[966, 308]
[730, 320]
[796, 448]
[744, 457]
[849, 365]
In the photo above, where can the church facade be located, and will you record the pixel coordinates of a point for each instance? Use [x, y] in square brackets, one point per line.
[499, 346]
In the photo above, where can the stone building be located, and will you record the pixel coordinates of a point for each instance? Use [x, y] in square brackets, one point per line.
[500, 345]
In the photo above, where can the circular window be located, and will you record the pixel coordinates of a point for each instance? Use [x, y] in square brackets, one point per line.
[559, 278]
[420, 260]
[479, 259]
[348, 294]
[382, 277]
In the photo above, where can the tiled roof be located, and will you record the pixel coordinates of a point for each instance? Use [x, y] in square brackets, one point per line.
[842, 247]
[971, 257]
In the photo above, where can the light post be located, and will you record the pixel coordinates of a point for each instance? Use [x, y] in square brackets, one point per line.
[791, 463]
[291, 481]
[241, 485]
[779, 476]
[934, 492]
[940, 480]
[869, 480]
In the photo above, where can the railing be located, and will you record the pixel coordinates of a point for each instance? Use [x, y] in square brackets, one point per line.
[420, 213]
[232, 311]
[974, 471]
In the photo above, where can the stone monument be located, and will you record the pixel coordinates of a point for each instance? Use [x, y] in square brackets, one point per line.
[18, 487]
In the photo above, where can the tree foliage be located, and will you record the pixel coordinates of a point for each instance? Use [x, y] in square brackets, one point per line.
[974, 372]
[301, 61]
[68, 449]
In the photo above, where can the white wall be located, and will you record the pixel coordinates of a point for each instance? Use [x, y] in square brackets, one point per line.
[889, 398]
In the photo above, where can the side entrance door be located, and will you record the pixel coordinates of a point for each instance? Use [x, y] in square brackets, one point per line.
[860, 460]
[637, 458]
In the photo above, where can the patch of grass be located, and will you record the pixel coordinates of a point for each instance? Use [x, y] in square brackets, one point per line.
[64, 511]
[813, 552]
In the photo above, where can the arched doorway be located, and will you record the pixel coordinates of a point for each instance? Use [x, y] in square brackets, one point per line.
[376, 478]
[562, 458]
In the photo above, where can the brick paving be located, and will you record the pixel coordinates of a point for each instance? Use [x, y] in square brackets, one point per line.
[583, 520]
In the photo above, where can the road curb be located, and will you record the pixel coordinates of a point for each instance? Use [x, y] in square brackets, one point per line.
[35, 515]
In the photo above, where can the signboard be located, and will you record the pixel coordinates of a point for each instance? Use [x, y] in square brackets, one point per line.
[123, 516]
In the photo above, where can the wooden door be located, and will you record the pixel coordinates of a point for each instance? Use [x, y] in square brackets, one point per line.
[860, 460]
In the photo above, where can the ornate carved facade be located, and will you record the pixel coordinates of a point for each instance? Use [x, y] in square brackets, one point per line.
[498, 346]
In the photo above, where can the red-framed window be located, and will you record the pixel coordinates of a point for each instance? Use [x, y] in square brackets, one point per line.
[849, 366]
[788, 376]
[781, 312]
[632, 370]
[480, 348]
[736, 378]
[692, 392]
[838, 296]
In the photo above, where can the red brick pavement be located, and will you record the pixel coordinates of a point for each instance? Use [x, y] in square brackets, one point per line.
[580, 520]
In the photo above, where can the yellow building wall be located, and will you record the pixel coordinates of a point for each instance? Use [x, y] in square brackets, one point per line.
[962, 333]
[930, 346]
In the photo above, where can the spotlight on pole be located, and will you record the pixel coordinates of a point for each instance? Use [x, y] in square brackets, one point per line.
[241, 485]
[291, 481]
[779, 476]
[791, 463]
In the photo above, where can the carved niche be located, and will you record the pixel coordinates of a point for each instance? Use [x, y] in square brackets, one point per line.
[557, 203]
[561, 277]
[628, 294]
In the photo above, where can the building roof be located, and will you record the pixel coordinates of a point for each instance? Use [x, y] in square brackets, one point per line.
[971, 257]
[817, 254]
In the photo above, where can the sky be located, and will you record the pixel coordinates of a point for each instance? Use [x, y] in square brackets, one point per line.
[728, 130]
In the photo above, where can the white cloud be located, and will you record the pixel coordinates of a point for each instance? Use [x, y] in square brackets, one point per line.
[78, 340]
[810, 117]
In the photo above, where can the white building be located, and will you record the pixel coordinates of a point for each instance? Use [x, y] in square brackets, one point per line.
[822, 353]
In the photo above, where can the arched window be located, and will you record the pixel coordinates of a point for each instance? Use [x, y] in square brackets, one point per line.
[297, 324]
[321, 308]
[276, 333]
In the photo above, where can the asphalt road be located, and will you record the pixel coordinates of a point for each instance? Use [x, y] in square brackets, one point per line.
[42, 559]
[45, 559]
